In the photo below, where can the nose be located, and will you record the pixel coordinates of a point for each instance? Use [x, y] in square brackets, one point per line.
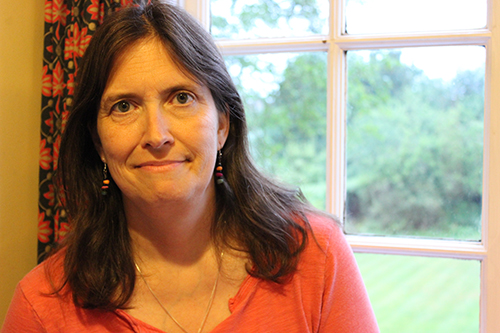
[157, 132]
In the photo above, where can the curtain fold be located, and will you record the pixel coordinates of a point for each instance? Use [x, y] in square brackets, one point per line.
[69, 26]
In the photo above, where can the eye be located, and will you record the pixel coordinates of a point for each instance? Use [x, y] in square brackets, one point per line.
[183, 98]
[122, 106]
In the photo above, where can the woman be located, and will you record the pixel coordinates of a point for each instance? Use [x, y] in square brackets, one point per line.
[173, 228]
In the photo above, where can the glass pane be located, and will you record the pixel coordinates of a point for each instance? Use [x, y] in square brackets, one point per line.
[415, 142]
[243, 19]
[417, 294]
[393, 16]
[285, 100]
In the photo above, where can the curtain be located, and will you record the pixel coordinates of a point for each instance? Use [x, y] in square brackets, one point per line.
[69, 26]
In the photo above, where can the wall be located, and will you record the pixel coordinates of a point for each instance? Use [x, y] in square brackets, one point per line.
[21, 43]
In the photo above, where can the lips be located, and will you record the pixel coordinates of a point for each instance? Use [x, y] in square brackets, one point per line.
[164, 164]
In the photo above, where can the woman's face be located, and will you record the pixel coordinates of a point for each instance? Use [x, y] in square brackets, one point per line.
[159, 130]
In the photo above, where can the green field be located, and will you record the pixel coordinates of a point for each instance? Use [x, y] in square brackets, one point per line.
[419, 294]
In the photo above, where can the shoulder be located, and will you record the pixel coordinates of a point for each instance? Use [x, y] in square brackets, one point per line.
[323, 224]
[326, 234]
[345, 306]
[36, 307]
[328, 243]
[33, 299]
[41, 289]
[325, 250]
[44, 278]
[328, 257]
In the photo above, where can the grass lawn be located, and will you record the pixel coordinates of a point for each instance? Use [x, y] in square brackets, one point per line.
[424, 295]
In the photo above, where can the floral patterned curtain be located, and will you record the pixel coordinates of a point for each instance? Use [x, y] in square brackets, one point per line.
[69, 25]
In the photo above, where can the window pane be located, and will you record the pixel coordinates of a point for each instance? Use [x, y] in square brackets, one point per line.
[418, 294]
[242, 19]
[415, 142]
[392, 16]
[285, 100]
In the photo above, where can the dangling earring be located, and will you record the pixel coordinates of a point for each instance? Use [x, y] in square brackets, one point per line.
[218, 170]
[105, 181]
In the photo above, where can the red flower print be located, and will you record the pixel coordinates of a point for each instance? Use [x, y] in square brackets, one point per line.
[50, 195]
[64, 118]
[58, 80]
[60, 228]
[45, 157]
[59, 12]
[50, 122]
[48, 11]
[101, 14]
[55, 156]
[77, 42]
[56, 12]
[57, 108]
[94, 9]
[44, 230]
[62, 231]
[46, 82]
[71, 84]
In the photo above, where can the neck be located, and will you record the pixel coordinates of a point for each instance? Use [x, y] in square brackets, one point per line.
[177, 232]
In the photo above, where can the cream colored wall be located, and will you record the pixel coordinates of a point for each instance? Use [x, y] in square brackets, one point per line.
[21, 43]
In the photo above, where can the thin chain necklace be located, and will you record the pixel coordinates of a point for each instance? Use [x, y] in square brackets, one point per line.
[210, 301]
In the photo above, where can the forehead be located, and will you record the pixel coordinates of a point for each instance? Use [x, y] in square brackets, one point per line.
[142, 58]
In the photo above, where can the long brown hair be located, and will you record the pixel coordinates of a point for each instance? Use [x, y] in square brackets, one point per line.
[265, 219]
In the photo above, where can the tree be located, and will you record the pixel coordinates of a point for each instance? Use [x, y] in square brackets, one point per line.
[252, 17]
[414, 154]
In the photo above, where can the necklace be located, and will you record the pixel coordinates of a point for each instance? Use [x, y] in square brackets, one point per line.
[209, 306]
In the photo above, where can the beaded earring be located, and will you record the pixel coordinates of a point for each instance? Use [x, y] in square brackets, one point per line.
[105, 181]
[218, 170]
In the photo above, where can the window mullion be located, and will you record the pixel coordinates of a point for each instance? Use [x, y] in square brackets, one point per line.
[490, 297]
[336, 127]
[418, 246]
[469, 37]
[200, 9]
[337, 18]
[271, 45]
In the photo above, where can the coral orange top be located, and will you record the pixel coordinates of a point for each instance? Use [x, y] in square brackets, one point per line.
[325, 295]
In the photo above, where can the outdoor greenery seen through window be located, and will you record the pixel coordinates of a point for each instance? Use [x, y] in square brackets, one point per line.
[236, 19]
[286, 113]
[414, 145]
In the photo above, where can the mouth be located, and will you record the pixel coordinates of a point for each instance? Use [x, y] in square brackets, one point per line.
[159, 165]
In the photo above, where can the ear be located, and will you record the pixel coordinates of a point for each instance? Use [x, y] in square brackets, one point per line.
[223, 130]
[101, 154]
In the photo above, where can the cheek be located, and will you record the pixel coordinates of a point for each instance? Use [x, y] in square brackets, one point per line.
[117, 150]
[114, 143]
[206, 139]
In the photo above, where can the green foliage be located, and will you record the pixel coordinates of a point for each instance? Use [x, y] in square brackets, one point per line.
[288, 128]
[414, 145]
[248, 15]
[414, 149]
[270, 12]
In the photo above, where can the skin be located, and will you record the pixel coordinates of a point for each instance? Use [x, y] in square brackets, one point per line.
[159, 132]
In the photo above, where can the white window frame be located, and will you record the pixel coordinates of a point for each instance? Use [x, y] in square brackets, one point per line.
[336, 44]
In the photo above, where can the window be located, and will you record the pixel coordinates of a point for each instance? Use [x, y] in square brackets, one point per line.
[392, 124]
